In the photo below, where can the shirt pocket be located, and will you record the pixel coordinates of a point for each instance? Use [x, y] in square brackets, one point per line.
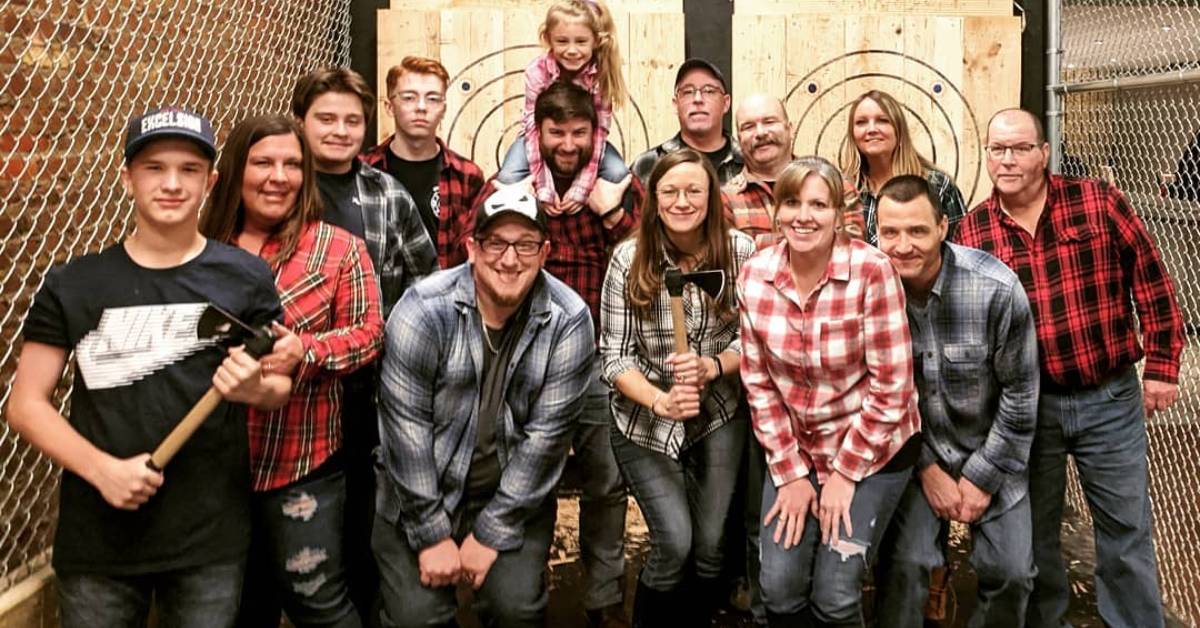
[841, 346]
[963, 369]
[307, 302]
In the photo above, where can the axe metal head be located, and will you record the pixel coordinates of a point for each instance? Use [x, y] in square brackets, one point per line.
[712, 282]
[217, 324]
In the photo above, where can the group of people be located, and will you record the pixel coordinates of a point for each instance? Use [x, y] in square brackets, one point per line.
[854, 382]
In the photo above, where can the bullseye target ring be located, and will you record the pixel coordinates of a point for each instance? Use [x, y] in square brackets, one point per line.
[490, 90]
[808, 93]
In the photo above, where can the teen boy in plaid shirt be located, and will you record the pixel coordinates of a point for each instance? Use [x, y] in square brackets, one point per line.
[1084, 258]
[442, 182]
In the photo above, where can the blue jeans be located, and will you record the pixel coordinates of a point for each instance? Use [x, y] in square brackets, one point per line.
[196, 597]
[516, 164]
[513, 594]
[602, 500]
[811, 579]
[685, 501]
[1104, 430]
[295, 560]
[1002, 555]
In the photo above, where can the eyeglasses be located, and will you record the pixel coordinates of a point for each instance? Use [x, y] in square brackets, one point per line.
[410, 99]
[669, 195]
[998, 152]
[498, 247]
[708, 92]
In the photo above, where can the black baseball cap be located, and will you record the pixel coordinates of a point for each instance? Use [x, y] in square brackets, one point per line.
[169, 122]
[697, 62]
[515, 199]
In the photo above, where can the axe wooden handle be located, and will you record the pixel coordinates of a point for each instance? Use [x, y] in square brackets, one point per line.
[184, 430]
[680, 327]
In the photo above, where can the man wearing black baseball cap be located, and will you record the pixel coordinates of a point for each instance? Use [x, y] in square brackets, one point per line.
[483, 379]
[127, 316]
[701, 101]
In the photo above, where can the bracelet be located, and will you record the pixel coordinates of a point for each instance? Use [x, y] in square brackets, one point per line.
[655, 402]
[720, 369]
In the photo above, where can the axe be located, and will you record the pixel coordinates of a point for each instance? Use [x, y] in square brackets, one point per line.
[710, 281]
[226, 329]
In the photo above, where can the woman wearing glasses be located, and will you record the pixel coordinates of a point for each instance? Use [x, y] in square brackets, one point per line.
[266, 201]
[676, 433]
[878, 146]
[827, 365]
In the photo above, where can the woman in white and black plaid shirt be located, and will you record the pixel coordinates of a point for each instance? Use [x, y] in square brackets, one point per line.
[677, 433]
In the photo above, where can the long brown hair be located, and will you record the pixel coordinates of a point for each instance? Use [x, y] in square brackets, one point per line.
[905, 158]
[646, 271]
[225, 216]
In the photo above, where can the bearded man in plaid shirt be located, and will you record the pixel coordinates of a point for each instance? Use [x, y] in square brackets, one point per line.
[1084, 258]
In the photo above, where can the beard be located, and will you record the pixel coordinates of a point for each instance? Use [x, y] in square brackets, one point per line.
[566, 170]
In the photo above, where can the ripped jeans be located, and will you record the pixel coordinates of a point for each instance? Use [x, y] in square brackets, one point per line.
[815, 580]
[295, 559]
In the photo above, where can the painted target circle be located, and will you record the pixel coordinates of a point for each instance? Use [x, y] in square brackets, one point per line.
[486, 137]
[941, 120]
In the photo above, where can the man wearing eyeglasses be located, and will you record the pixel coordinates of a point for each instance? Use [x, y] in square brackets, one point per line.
[442, 182]
[484, 377]
[1086, 261]
[701, 101]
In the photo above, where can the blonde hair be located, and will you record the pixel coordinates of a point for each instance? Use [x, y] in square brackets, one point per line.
[905, 158]
[606, 55]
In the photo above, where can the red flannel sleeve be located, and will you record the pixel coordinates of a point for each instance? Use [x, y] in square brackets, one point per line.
[888, 353]
[355, 335]
[460, 226]
[459, 195]
[1153, 293]
[769, 416]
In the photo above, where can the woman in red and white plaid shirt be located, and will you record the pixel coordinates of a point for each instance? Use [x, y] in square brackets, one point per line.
[827, 365]
[266, 201]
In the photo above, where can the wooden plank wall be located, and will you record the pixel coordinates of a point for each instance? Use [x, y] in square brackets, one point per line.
[485, 47]
[951, 72]
[931, 7]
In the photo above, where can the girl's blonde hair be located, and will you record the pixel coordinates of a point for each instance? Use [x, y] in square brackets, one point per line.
[905, 158]
[606, 55]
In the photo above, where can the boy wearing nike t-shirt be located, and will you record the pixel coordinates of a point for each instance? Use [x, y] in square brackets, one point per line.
[127, 534]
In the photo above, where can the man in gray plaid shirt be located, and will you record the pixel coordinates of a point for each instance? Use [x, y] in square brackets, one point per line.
[975, 365]
[482, 382]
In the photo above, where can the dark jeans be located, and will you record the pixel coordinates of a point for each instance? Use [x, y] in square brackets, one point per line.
[196, 597]
[816, 579]
[602, 501]
[513, 595]
[296, 558]
[1001, 553]
[1104, 430]
[685, 501]
[756, 472]
[360, 433]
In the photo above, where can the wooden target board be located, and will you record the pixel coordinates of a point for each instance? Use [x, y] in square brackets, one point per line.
[950, 73]
[485, 47]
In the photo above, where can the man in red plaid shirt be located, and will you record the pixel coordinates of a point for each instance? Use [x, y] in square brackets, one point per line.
[442, 182]
[580, 244]
[1084, 258]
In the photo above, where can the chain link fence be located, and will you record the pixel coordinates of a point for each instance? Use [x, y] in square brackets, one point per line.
[71, 74]
[1131, 114]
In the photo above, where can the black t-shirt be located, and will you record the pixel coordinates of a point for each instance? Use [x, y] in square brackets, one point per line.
[340, 193]
[420, 178]
[498, 347]
[139, 369]
[717, 156]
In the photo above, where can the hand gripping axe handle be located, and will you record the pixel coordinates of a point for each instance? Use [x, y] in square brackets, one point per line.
[710, 281]
[218, 324]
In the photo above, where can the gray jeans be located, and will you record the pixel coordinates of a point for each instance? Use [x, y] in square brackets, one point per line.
[1001, 553]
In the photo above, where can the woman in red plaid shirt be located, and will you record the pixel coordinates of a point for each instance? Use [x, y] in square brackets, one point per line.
[266, 201]
[827, 365]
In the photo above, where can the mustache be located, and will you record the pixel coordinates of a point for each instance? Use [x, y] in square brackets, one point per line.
[768, 141]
